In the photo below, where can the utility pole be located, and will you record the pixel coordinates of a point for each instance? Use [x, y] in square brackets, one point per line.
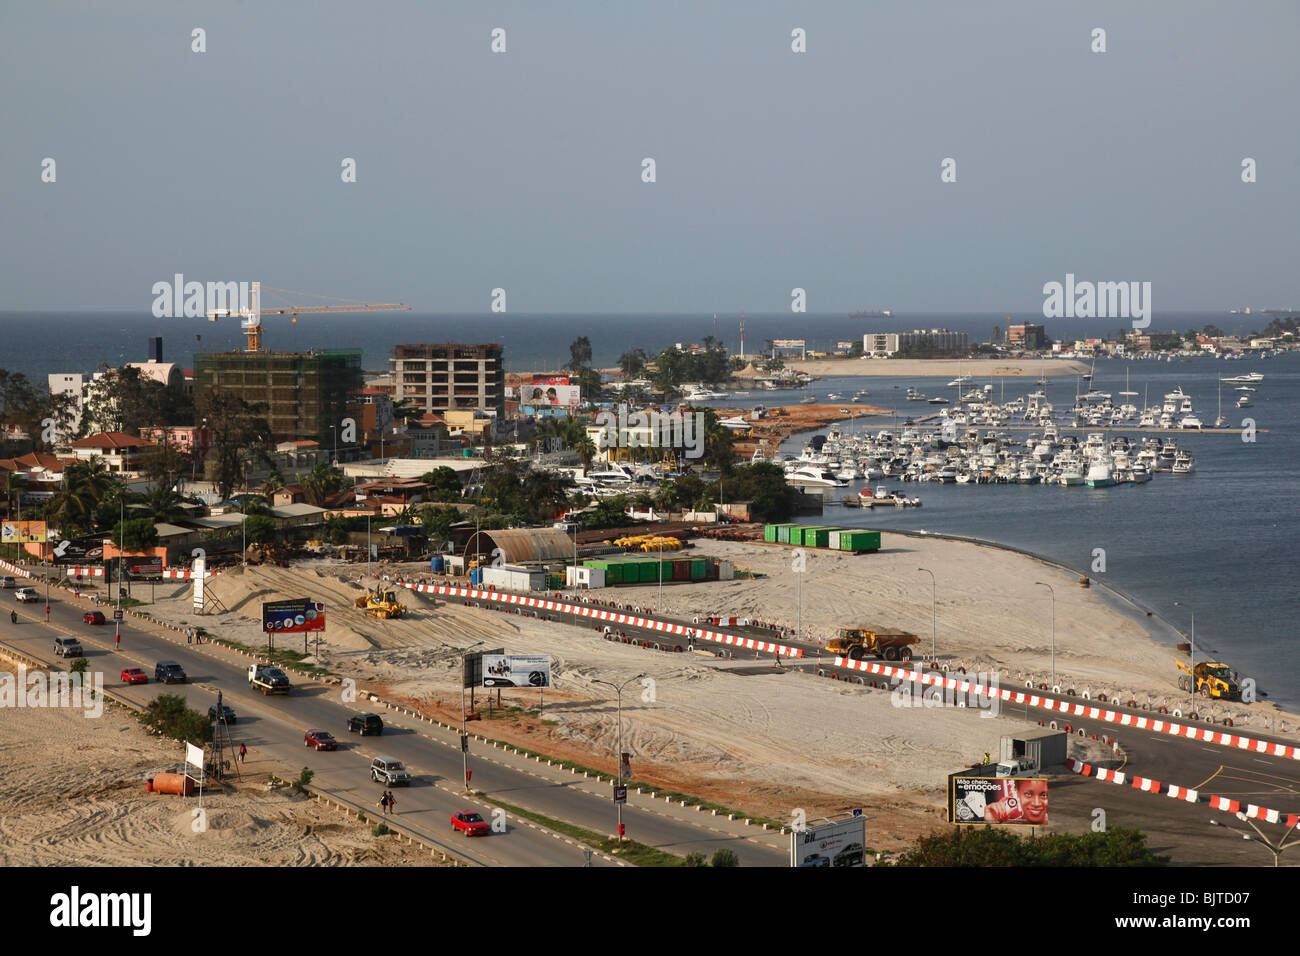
[618, 757]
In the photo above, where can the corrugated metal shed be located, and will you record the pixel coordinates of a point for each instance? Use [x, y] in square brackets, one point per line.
[523, 545]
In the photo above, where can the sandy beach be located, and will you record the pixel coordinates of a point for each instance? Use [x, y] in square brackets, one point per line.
[979, 369]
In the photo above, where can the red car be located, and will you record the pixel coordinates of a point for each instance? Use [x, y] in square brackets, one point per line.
[320, 739]
[93, 617]
[134, 675]
[470, 823]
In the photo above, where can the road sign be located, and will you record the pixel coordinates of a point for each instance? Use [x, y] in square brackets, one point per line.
[117, 615]
[620, 794]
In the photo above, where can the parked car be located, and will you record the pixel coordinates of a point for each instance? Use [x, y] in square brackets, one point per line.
[26, 594]
[134, 675]
[67, 647]
[320, 739]
[94, 617]
[390, 772]
[169, 672]
[8, 581]
[366, 725]
[469, 823]
[227, 713]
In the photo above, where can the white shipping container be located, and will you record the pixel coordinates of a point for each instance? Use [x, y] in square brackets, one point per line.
[726, 570]
[514, 579]
[584, 577]
[834, 543]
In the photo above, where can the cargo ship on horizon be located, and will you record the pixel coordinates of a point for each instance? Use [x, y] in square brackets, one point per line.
[872, 314]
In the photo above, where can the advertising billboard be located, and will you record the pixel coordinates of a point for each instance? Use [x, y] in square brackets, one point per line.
[22, 531]
[830, 844]
[516, 670]
[539, 393]
[293, 617]
[789, 343]
[1019, 801]
[138, 564]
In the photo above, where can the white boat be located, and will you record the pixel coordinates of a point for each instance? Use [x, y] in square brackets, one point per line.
[959, 381]
[702, 393]
[1100, 473]
[1190, 421]
[1244, 402]
[1072, 473]
[815, 476]
[1184, 464]
[1250, 378]
[938, 401]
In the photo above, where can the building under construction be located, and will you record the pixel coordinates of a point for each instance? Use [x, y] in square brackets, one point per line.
[305, 393]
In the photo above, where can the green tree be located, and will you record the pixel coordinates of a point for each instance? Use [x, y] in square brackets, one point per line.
[725, 857]
[259, 529]
[170, 714]
[323, 481]
[235, 425]
[987, 846]
[135, 534]
[75, 506]
[436, 522]
[445, 484]
[632, 362]
[695, 859]
[579, 354]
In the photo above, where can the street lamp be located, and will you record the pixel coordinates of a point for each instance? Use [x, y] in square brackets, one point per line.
[934, 612]
[1053, 590]
[464, 735]
[618, 757]
[1191, 679]
[660, 598]
[1274, 848]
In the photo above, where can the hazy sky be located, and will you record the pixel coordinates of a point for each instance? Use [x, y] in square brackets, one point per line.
[523, 170]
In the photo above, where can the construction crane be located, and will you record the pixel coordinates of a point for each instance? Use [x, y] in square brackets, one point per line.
[252, 318]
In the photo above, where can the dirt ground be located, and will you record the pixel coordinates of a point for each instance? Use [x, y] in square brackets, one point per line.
[72, 793]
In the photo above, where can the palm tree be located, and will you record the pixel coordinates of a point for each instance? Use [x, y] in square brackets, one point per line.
[164, 504]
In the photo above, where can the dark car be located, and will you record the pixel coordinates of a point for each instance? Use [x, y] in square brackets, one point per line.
[366, 725]
[320, 739]
[93, 617]
[227, 713]
[169, 672]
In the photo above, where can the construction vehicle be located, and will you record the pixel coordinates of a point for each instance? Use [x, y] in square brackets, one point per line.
[382, 604]
[252, 318]
[1214, 680]
[857, 643]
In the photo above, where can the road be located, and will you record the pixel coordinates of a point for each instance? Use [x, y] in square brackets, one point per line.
[274, 726]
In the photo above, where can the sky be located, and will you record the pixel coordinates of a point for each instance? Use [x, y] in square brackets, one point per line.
[774, 170]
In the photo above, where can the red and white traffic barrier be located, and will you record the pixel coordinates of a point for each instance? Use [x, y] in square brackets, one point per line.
[1183, 793]
[85, 572]
[612, 617]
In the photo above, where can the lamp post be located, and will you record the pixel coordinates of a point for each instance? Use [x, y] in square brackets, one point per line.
[660, 598]
[618, 757]
[1274, 848]
[1191, 680]
[1053, 591]
[334, 429]
[464, 735]
[934, 613]
[121, 542]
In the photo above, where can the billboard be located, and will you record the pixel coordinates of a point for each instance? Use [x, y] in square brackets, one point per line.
[22, 531]
[293, 617]
[516, 670]
[830, 844]
[539, 393]
[789, 343]
[138, 564]
[1019, 801]
[472, 667]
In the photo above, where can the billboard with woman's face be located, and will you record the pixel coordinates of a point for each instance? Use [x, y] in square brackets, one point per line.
[1019, 801]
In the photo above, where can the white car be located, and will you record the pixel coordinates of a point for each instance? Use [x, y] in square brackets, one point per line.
[26, 594]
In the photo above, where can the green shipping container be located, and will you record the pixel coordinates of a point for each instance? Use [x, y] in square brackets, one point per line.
[816, 537]
[699, 569]
[796, 535]
[649, 571]
[772, 532]
[860, 541]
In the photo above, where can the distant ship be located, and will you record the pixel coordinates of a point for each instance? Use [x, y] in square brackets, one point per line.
[872, 314]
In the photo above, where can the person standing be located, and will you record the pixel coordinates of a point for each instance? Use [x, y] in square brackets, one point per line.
[189, 635]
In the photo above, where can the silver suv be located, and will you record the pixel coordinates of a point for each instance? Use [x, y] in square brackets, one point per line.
[390, 772]
[67, 647]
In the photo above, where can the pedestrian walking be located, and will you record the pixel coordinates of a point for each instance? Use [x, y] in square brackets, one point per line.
[189, 635]
[391, 801]
[243, 752]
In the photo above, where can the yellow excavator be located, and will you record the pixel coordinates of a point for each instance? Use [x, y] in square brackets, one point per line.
[382, 604]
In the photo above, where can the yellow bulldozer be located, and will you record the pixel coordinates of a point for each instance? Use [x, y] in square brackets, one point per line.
[382, 604]
[1214, 680]
[857, 643]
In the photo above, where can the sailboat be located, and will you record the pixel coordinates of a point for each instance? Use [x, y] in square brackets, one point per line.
[1042, 375]
[1221, 422]
[1126, 406]
[1087, 376]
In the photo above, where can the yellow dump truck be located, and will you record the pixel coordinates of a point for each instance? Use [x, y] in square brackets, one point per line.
[858, 643]
[1214, 680]
[382, 604]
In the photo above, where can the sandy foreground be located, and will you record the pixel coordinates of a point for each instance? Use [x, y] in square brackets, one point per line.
[72, 793]
[978, 369]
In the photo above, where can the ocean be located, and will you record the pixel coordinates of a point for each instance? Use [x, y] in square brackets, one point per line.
[1222, 541]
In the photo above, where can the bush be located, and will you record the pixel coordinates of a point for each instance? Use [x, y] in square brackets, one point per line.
[986, 846]
[380, 830]
[725, 858]
[303, 780]
[170, 714]
[696, 859]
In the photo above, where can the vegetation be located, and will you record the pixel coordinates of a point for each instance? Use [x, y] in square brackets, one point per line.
[304, 780]
[135, 534]
[235, 425]
[75, 508]
[379, 830]
[725, 857]
[674, 367]
[987, 846]
[171, 716]
[323, 481]
[444, 484]
[123, 400]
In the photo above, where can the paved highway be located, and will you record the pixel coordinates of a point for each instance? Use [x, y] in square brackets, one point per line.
[273, 726]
